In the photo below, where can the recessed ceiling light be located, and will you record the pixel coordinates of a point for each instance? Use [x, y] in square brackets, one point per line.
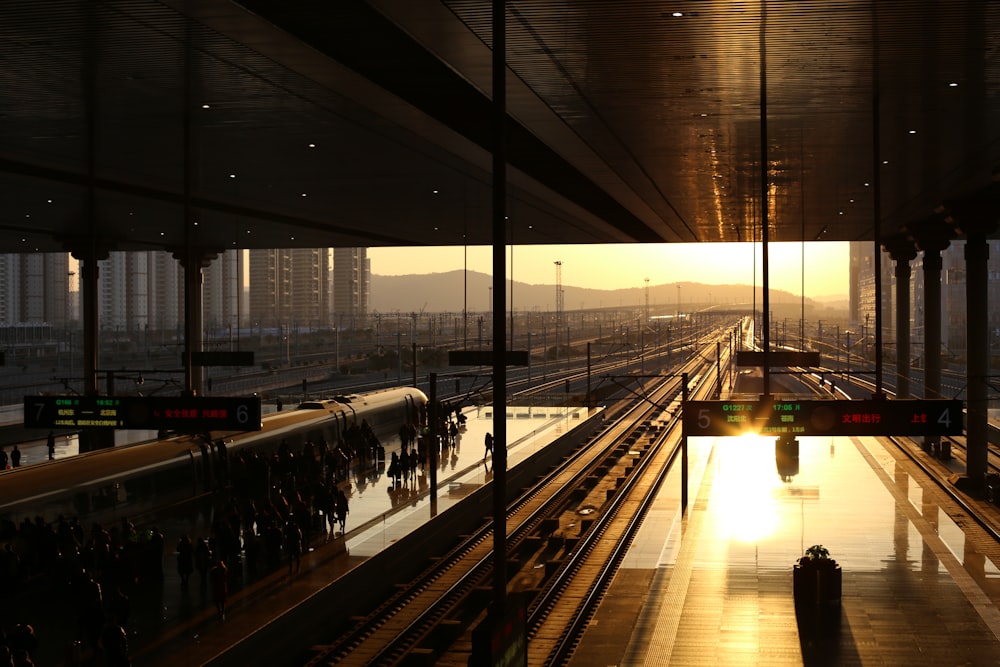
[205, 106]
[304, 194]
[311, 145]
[232, 175]
[677, 15]
[913, 131]
[953, 84]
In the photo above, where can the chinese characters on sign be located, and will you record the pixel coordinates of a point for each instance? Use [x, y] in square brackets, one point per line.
[179, 413]
[824, 417]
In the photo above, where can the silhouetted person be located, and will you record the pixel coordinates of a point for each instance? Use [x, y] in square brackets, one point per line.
[293, 545]
[342, 509]
[185, 559]
[15, 457]
[219, 576]
[489, 445]
[52, 446]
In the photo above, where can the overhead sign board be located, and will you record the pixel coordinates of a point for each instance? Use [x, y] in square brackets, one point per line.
[176, 413]
[222, 358]
[823, 417]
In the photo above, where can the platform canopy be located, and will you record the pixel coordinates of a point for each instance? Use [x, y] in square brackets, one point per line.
[266, 123]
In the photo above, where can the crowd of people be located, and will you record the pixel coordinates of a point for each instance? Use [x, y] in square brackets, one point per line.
[267, 511]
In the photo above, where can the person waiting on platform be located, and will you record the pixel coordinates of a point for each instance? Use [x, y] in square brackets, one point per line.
[219, 575]
[489, 445]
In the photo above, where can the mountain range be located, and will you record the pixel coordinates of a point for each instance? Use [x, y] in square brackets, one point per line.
[454, 290]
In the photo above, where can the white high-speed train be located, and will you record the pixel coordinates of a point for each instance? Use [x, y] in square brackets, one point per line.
[104, 485]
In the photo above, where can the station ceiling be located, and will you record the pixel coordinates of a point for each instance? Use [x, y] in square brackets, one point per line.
[143, 124]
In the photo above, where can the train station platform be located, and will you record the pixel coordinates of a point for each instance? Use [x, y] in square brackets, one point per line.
[920, 581]
[176, 626]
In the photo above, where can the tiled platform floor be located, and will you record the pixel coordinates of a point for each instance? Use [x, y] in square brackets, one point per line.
[715, 588]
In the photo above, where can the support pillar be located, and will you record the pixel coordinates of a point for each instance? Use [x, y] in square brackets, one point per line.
[900, 248]
[931, 236]
[976, 217]
[89, 254]
[193, 260]
[977, 254]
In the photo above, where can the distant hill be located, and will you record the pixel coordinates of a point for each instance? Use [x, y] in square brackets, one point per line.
[453, 290]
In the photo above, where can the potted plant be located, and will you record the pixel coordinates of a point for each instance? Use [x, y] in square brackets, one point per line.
[816, 580]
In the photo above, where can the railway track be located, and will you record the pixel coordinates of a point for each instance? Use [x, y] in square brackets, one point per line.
[431, 617]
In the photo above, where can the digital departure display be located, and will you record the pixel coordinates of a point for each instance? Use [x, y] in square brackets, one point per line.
[174, 413]
[823, 417]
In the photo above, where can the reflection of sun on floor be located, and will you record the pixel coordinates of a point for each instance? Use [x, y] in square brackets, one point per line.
[745, 486]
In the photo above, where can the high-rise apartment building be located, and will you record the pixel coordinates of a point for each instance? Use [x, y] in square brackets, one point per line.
[290, 287]
[351, 287]
[35, 289]
[223, 306]
[953, 296]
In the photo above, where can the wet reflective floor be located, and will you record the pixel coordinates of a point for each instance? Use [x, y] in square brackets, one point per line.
[920, 582]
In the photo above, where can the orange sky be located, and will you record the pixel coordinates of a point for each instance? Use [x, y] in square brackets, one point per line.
[822, 265]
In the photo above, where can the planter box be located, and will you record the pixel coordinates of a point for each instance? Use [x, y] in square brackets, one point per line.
[817, 584]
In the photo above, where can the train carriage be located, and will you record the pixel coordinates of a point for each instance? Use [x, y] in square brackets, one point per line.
[104, 485]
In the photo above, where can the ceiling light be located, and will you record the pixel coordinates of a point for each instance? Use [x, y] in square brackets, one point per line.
[304, 194]
[312, 145]
[677, 15]
[232, 175]
[953, 84]
[913, 131]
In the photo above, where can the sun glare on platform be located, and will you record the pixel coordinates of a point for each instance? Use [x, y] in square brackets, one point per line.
[745, 485]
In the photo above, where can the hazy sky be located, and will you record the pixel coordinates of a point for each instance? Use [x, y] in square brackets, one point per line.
[628, 265]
